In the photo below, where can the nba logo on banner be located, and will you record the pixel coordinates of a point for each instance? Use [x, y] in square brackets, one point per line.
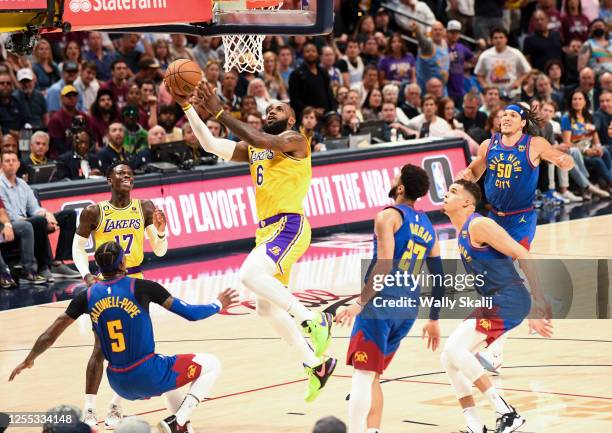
[440, 176]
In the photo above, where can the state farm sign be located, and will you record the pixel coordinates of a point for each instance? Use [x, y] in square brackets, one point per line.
[91, 14]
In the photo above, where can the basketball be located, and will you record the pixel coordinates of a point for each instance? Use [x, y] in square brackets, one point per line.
[182, 76]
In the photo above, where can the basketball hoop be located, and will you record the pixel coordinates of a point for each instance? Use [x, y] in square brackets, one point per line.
[244, 52]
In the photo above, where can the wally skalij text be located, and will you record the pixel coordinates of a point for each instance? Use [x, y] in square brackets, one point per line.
[569, 288]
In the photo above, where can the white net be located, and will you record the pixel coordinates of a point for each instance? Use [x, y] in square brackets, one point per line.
[244, 52]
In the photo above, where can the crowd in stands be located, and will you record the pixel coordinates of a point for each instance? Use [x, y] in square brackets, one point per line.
[83, 100]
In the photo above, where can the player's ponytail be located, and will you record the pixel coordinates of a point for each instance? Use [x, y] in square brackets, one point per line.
[532, 122]
[108, 257]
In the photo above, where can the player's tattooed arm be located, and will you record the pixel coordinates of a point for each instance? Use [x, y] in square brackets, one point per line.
[541, 149]
[289, 142]
[44, 341]
[477, 167]
[386, 223]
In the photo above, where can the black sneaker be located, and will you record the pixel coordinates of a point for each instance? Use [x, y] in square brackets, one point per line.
[32, 278]
[6, 281]
[317, 377]
[509, 422]
[169, 425]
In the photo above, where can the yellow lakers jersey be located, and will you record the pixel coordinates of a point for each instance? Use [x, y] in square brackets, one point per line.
[125, 226]
[281, 181]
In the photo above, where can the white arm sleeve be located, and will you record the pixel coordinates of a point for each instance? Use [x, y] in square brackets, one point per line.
[79, 255]
[219, 146]
[159, 246]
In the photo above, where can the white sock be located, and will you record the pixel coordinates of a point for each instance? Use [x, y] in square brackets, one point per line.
[211, 366]
[174, 399]
[90, 401]
[498, 403]
[257, 274]
[289, 331]
[473, 419]
[360, 401]
[116, 400]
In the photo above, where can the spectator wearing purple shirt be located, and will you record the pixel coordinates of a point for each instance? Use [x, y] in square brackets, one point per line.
[398, 65]
[459, 54]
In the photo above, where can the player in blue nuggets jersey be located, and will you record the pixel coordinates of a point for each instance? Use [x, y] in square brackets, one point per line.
[403, 239]
[119, 310]
[488, 252]
[511, 160]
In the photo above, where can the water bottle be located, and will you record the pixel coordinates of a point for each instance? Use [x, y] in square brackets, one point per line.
[25, 135]
[393, 135]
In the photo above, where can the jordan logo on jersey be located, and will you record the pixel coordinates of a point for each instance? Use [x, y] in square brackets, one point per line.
[111, 224]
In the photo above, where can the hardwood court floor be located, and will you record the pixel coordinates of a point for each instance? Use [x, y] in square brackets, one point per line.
[563, 384]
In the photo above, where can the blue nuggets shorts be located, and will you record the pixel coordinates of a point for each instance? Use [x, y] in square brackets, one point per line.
[510, 307]
[374, 342]
[153, 375]
[521, 226]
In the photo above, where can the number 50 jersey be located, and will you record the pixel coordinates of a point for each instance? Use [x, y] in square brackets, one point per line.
[125, 226]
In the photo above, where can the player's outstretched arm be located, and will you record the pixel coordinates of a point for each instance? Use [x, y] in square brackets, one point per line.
[155, 226]
[477, 167]
[544, 151]
[200, 312]
[432, 328]
[88, 221]
[287, 142]
[222, 147]
[487, 231]
[43, 342]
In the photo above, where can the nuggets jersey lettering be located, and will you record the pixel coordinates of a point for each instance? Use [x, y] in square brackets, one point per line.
[122, 325]
[281, 181]
[413, 242]
[125, 226]
[497, 269]
[511, 178]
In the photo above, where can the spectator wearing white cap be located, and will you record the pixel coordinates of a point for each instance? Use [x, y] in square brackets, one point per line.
[459, 55]
[31, 99]
[462, 11]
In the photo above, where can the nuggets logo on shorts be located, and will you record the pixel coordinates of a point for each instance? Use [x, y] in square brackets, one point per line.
[275, 250]
[485, 324]
[360, 357]
[191, 371]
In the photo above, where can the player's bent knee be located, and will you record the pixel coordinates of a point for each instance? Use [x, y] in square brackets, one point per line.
[210, 363]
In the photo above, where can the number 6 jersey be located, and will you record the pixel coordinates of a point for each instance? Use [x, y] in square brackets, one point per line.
[125, 226]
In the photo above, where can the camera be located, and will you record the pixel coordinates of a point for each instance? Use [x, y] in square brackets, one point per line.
[78, 124]
[22, 43]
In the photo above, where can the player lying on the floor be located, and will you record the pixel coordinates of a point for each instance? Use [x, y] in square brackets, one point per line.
[119, 310]
[488, 251]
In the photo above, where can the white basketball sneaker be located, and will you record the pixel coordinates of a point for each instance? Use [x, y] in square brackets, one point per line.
[113, 417]
[90, 418]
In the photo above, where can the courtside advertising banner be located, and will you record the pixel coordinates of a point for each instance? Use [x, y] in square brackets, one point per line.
[90, 14]
[223, 209]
